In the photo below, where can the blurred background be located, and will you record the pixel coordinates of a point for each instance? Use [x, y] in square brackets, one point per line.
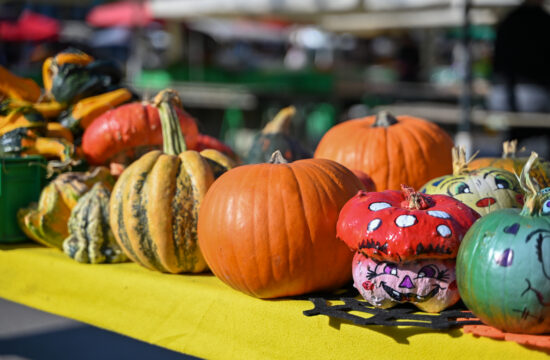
[478, 68]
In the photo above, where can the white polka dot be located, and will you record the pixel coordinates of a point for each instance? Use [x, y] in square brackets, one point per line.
[379, 206]
[374, 224]
[444, 230]
[439, 214]
[405, 220]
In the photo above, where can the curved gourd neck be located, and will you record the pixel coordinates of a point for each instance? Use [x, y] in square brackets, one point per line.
[530, 187]
[173, 141]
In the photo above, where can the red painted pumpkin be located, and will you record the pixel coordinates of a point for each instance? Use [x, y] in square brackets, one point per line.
[269, 230]
[392, 150]
[404, 225]
[405, 244]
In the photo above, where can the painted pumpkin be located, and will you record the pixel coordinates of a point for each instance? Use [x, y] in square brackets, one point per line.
[509, 161]
[503, 265]
[91, 239]
[155, 202]
[484, 190]
[269, 230]
[46, 222]
[392, 150]
[276, 136]
[405, 244]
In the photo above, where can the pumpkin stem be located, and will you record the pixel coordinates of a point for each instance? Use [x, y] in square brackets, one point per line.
[277, 158]
[509, 149]
[530, 186]
[414, 200]
[384, 119]
[281, 122]
[460, 164]
[172, 137]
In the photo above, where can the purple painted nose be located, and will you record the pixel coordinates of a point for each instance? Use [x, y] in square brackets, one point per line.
[406, 283]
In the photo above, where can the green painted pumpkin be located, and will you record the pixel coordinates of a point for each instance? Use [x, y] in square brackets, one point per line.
[91, 239]
[155, 202]
[484, 190]
[503, 264]
[276, 136]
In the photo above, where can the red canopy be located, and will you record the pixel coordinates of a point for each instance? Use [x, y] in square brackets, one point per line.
[29, 27]
[122, 13]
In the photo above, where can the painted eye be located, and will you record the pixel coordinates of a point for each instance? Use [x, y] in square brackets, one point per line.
[546, 207]
[502, 183]
[427, 271]
[390, 269]
[462, 188]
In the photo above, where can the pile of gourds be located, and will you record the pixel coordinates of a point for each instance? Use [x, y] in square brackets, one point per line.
[289, 223]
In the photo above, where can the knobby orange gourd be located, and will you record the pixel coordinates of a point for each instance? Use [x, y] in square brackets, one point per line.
[269, 230]
[391, 150]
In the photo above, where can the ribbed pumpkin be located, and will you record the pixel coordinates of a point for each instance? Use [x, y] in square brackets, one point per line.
[276, 136]
[510, 162]
[391, 150]
[503, 264]
[155, 202]
[484, 190]
[91, 240]
[269, 230]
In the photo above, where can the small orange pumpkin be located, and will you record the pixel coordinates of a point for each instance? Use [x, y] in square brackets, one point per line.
[392, 150]
[269, 230]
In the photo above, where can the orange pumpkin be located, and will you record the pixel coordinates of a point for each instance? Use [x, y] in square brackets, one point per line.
[392, 150]
[269, 230]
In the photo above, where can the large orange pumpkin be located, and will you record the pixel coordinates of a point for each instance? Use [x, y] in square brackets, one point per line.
[269, 230]
[391, 150]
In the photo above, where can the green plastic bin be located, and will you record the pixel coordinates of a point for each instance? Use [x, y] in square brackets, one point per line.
[21, 181]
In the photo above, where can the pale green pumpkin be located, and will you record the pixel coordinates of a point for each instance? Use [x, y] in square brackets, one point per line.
[503, 264]
[484, 190]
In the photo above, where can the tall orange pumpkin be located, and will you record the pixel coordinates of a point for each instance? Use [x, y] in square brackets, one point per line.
[269, 230]
[391, 150]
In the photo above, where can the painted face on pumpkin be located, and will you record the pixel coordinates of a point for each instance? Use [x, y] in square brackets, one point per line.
[537, 243]
[428, 284]
[483, 190]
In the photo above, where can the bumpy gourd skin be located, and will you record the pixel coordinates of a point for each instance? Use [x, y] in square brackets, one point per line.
[91, 239]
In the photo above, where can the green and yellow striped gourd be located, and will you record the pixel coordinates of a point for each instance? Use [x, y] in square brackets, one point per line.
[91, 240]
[155, 202]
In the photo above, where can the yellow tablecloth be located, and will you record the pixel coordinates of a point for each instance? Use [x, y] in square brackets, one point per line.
[201, 316]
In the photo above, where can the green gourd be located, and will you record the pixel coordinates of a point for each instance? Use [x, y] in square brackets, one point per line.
[46, 221]
[276, 136]
[91, 239]
[503, 264]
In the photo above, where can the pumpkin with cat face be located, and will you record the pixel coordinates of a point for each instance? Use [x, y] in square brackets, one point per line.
[503, 265]
[484, 190]
[406, 244]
